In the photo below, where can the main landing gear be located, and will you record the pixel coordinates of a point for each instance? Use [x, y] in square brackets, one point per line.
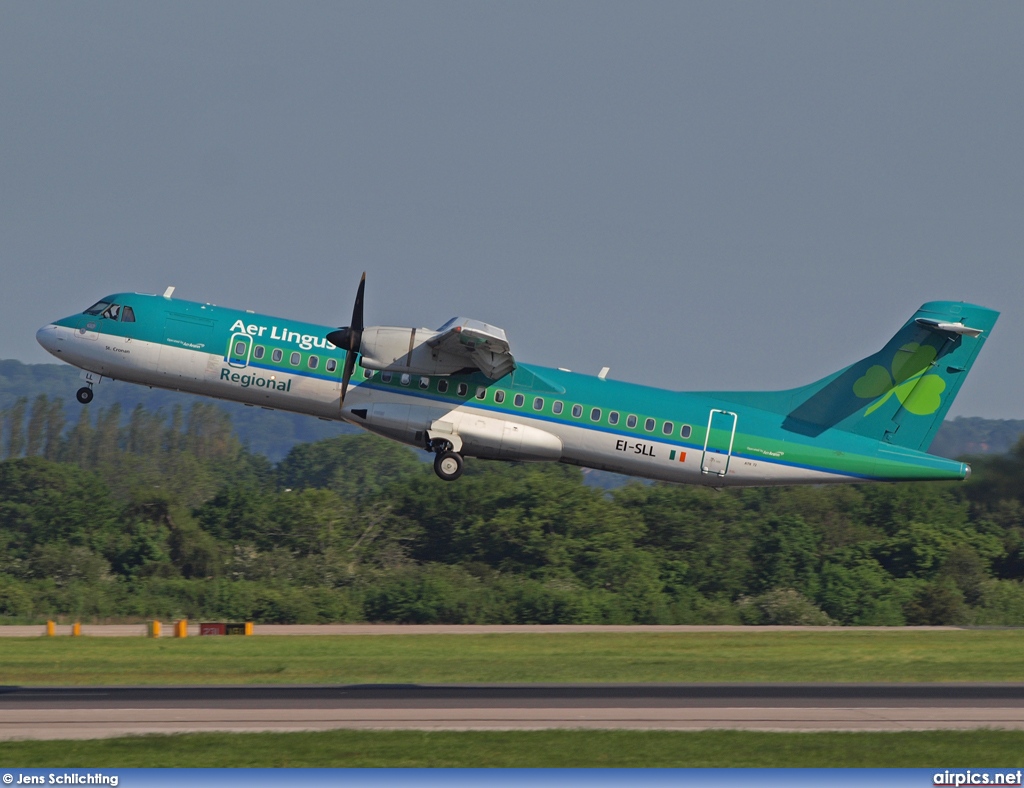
[84, 395]
[448, 464]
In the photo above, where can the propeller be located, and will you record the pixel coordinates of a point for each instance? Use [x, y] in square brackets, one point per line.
[350, 338]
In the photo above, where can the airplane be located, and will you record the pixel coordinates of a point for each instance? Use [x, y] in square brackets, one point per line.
[459, 392]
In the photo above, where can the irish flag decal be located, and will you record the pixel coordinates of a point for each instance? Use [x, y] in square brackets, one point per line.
[672, 455]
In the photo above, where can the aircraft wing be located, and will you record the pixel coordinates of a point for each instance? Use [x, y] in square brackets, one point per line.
[481, 345]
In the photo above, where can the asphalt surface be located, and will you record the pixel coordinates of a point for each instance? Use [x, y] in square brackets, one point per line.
[95, 712]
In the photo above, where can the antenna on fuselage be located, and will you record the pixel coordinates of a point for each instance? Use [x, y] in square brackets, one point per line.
[169, 291]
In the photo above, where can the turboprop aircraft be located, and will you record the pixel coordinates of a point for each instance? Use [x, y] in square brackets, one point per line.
[459, 392]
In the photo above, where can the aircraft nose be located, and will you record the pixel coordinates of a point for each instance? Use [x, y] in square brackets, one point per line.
[47, 337]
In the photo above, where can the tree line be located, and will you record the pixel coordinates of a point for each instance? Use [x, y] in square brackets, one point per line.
[272, 433]
[166, 514]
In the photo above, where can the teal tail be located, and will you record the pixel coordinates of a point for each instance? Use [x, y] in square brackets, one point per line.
[902, 393]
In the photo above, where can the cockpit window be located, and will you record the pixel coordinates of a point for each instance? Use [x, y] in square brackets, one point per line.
[96, 308]
[112, 312]
[127, 315]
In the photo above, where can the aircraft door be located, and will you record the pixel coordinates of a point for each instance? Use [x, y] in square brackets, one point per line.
[239, 350]
[718, 442]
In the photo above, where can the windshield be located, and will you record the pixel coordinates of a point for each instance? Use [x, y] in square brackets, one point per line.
[98, 307]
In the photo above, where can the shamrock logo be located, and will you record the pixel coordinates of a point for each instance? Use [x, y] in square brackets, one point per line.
[917, 392]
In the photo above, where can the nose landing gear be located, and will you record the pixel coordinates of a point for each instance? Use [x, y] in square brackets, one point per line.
[448, 464]
[84, 395]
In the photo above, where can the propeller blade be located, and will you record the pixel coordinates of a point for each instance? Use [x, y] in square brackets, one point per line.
[357, 309]
[350, 338]
[340, 337]
[346, 375]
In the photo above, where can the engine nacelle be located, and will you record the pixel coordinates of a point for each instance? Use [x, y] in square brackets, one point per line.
[459, 344]
[405, 349]
[497, 439]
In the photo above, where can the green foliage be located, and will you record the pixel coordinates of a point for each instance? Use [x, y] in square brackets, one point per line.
[937, 603]
[166, 513]
[782, 607]
[356, 467]
[1002, 602]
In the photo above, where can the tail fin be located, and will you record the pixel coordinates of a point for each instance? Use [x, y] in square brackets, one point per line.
[900, 394]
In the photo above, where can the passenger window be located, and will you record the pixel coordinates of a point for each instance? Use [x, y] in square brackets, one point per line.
[277, 355]
[631, 421]
[668, 428]
[613, 417]
[406, 379]
[595, 414]
[518, 400]
[424, 383]
[462, 389]
[258, 351]
[649, 425]
[577, 411]
[499, 396]
[239, 348]
[367, 373]
[442, 385]
[314, 362]
[385, 377]
[557, 407]
[295, 359]
[538, 403]
[333, 365]
[685, 431]
[481, 392]
[127, 315]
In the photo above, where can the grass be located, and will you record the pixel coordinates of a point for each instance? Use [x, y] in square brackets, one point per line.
[555, 748]
[828, 655]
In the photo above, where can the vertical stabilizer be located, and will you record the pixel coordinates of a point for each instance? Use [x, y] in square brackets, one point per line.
[902, 393]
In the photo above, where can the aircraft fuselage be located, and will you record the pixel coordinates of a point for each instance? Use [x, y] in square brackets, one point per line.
[531, 414]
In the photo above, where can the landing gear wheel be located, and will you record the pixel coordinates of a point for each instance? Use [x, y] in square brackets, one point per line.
[84, 395]
[448, 465]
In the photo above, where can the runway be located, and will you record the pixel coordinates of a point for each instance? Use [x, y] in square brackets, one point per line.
[98, 712]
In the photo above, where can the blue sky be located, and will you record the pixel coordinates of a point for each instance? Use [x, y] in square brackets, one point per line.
[698, 195]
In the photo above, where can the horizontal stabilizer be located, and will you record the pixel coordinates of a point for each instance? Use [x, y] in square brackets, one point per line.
[949, 328]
